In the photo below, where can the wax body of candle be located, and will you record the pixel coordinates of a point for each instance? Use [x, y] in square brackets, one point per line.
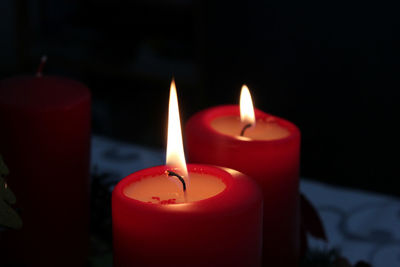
[221, 226]
[45, 140]
[270, 157]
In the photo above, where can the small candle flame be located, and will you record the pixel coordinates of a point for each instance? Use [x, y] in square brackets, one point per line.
[246, 107]
[175, 154]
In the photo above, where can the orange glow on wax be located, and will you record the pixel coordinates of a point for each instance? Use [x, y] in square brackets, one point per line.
[246, 127]
[158, 189]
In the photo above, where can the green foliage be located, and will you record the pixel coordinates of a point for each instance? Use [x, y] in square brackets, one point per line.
[3, 168]
[8, 216]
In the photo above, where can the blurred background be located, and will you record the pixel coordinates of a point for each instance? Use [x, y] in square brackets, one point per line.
[332, 68]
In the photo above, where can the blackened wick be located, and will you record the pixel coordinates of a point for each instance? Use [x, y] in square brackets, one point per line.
[171, 173]
[245, 128]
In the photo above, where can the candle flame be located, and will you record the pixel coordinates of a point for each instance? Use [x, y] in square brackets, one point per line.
[246, 107]
[175, 154]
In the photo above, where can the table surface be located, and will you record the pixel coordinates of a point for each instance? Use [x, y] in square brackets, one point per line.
[361, 225]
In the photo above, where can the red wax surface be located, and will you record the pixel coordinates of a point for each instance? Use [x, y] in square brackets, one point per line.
[223, 230]
[274, 164]
[45, 141]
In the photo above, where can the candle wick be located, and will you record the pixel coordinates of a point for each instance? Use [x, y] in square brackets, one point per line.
[185, 196]
[39, 71]
[245, 128]
[171, 173]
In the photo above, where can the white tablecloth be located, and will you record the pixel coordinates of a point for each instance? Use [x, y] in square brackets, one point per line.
[363, 226]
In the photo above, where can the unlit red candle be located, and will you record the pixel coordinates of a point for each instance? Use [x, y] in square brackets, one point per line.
[45, 141]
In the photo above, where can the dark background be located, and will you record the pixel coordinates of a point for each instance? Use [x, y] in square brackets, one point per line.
[331, 67]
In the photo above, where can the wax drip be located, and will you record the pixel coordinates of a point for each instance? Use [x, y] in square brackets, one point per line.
[245, 128]
[171, 173]
[39, 71]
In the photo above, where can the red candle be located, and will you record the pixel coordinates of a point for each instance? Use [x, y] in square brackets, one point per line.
[196, 216]
[157, 227]
[44, 140]
[268, 152]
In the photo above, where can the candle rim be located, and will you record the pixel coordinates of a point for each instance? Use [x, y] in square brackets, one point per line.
[241, 193]
[208, 115]
[218, 172]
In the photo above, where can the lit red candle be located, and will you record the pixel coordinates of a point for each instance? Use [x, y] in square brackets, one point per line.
[45, 141]
[264, 147]
[178, 215]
